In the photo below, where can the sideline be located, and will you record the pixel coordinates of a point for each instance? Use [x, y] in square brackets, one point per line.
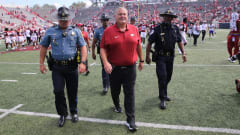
[117, 122]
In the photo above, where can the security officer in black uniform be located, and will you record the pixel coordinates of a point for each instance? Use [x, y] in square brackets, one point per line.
[96, 43]
[64, 40]
[165, 36]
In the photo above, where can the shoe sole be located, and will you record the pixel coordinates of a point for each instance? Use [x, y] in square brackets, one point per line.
[61, 125]
[129, 128]
[74, 120]
[163, 107]
[104, 92]
[117, 111]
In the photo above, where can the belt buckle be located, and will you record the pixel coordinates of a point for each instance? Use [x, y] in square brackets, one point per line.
[63, 62]
[168, 53]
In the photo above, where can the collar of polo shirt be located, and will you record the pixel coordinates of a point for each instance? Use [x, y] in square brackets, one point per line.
[115, 25]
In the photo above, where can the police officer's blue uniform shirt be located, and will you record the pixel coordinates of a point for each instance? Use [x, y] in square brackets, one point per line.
[98, 34]
[170, 33]
[63, 43]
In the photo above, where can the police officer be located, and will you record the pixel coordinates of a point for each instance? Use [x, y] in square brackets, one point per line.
[165, 36]
[64, 40]
[132, 20]
[96, 42]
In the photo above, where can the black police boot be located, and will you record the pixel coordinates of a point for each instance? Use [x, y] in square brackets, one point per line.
[118, 109]
[74, 118]
[163, 105]
[131, 126]
[167, 98]
[105, 90]
[61, 121]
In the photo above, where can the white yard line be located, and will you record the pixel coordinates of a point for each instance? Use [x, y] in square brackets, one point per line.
[117, 122]
[19, 63]
[10, 111]
[94, 63]
[29, 73]
[9, 80]
[204, 65]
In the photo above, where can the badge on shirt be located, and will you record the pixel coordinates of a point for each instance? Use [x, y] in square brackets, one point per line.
[73, 33]
[162, 36]
[115, 37]
[54, 41]
[131, 35]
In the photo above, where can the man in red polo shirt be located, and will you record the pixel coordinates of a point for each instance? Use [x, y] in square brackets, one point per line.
[120, 46]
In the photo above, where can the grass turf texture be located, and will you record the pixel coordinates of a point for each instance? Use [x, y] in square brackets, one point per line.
[202, 95]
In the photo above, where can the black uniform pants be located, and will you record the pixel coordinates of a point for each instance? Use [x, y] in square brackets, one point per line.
[28, 40]
[203, 34]
[105, 76]
[195, 38]
[164, 69]
[125, 76]
[62, 75]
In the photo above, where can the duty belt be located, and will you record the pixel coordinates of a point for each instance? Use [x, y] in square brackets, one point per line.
[165, 53]
[64, 62]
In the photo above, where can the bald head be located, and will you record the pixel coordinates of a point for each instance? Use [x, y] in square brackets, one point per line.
[120, 8]
[121, 15]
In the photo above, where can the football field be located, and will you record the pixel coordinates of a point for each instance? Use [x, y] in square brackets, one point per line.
[204, 99]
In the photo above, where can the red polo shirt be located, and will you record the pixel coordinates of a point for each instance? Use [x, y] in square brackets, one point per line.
[121, 47]
[85, 35]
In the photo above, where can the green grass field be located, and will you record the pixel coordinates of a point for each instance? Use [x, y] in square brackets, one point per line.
[202, 91]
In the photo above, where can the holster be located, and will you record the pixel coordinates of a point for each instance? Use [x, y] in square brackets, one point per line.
[154, 56]
[98, 49]
[50, 61]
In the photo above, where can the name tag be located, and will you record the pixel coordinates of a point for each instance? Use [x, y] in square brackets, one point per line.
[233, 39]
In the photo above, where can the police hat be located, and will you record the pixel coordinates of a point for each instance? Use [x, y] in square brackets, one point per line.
[104, 17]
[168, 13]
[63, 13]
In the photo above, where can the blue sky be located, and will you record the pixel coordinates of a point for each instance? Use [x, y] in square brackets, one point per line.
[41, 2]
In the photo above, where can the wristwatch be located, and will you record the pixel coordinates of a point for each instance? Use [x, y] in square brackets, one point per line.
[141, 61]
[84, 62]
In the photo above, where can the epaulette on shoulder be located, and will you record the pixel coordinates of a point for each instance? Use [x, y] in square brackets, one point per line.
[54, 26]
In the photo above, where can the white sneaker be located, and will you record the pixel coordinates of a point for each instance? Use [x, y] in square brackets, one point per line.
[6, 49]
[229, 59]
